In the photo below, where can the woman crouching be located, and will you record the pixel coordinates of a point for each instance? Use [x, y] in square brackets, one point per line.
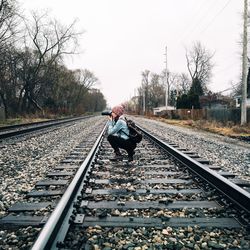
[118, 134]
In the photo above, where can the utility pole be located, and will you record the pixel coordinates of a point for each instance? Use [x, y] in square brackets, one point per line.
[166, 77]
[244, 69]
[144, 101]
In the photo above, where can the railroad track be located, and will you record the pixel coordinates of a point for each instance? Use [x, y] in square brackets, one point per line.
[168, 198]
[20, 129]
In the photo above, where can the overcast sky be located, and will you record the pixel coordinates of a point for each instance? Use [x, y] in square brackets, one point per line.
[124, 37]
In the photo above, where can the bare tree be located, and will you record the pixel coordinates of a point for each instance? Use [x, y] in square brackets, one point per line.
[144, 89]
[49, 42]
[173, 81]
[199, 64]
[32, 72]
[86, 80]
[50, 38]
[173, 85]
[9, 85]
[8, 21]
[156, 92]
[94, 101]
[151, 92]
[184, 83]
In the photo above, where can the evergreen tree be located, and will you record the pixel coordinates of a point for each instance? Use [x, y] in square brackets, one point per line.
[191, 100]
[194, 101]
[196, 88]
[182, 102]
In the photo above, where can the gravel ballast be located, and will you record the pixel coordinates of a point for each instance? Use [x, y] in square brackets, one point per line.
[26, 160]
[231, 154]
[23, 162]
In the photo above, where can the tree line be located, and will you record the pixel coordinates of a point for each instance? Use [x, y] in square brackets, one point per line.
[33, 75]
[182, 90]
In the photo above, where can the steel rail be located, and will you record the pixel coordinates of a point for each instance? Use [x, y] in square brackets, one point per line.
[58, 222]
[37, 126]
[235, 193]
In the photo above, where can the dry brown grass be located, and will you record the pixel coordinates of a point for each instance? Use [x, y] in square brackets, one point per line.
[212, 126]
[28, 119]
[20, 121]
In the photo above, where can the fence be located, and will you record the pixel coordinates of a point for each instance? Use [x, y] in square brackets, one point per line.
[220, 115]
[224, 115]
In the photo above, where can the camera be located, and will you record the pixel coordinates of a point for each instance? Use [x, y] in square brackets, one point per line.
[107, 112]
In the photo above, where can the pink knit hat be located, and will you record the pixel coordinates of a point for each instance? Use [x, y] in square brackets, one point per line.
[118, 110]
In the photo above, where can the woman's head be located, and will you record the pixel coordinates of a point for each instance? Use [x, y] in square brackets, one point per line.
[118, 110]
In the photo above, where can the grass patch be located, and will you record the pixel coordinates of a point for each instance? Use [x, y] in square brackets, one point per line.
[29, 119]
[16, 121]
[33, 118]
[228, 129]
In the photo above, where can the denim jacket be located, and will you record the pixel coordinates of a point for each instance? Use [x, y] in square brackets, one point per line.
[118, 128]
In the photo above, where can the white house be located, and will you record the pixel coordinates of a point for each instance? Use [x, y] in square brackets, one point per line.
[158, 110]
[238, 101]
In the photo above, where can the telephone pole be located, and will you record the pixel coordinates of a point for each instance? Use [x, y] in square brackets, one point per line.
[244, 68]
[144, 101]
[166, 98]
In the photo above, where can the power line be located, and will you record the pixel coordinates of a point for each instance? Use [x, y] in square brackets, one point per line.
[197, 11]
[225, 68]
[233, 87]
[202, 17]
[216, 16]
[212, 20]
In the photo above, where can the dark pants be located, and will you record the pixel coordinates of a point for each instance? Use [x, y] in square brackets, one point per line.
[118, 142]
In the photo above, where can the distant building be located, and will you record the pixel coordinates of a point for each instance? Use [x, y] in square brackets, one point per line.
[160, 110]
[215, 101]
[238, 101]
